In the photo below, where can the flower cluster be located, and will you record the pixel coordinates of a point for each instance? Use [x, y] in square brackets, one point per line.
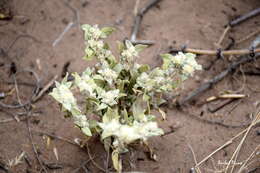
[120, 92]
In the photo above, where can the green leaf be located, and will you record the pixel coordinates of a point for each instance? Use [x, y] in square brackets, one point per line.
[138, 110]
[140, 47]
[190, 55]
[89, 54]
[166, 60]
[146, 97]
[128, 44]
[107, 144]
[163, 114]
[144, 68]
[125, 115]
[107, 31]
[85, 27]
[110, 115]
[120, 46]
[101, 106]
[86, 131]
[117, 163]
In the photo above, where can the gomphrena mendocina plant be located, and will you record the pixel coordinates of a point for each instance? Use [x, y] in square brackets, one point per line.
[119, 92]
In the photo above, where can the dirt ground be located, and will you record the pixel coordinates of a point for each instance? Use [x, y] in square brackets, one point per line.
[26, 40]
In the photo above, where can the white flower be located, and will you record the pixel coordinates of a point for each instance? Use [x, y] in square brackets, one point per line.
[130, 50]
[179, 58]
[188, 69]
[95, 31]
[64, 96]
[85, 83]
[81, 121]
[110, 128]
[108, 74]
[109, 97]
[127, 134]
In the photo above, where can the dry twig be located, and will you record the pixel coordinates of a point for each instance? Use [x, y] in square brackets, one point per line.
[137, 22]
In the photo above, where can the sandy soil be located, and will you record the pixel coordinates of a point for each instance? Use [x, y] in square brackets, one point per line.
[36, 24]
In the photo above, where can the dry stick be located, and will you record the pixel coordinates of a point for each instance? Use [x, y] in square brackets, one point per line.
[249, 158]
[219, 77]
[230, 141]
[245, 17]
[56, 137]
[235, 154]
[137, 22]
[21, 119]
[92, 160]
[35, 97]
[71, 24]
[19, 37]
[218, 44]
[15, 117]
[238, 21]
[194, 158]
[28, 114]
[82, 165]
[216, 52]
[248, 36]
[222, 105]
[45, 88]
[219, 123]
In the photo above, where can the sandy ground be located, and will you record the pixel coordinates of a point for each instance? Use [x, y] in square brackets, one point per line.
[36, 24]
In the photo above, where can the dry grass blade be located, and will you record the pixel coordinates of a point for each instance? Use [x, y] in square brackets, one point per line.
[249, 158]
[236, 153]
[194, 158]
[230, 141]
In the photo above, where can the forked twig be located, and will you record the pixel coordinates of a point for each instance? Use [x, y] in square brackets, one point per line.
[138, 20]
[74, 22]
[237, 21]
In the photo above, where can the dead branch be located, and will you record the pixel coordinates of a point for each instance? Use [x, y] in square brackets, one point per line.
[45, 88]
[245, 17]
[237, 21]
[137, 23]
[218, 78]
[74, 22]
[56, 137]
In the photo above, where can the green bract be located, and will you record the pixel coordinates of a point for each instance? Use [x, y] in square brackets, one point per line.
[120, 92]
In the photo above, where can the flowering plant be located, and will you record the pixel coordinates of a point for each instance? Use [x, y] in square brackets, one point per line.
[120, 93]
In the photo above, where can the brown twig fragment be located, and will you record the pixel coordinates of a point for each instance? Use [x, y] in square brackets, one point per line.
[216, 52]
[218, 107]
[45, 88]
[225, 96]
[245, 17]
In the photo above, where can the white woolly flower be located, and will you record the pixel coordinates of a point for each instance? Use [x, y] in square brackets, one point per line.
[81, 121]
[108, 74]
[64, 96]
[127, 134]
[145, 81]
[109, 97]
[130, 50]
[110, 128]
[188, 69]
[95, 31]
[179, 58]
